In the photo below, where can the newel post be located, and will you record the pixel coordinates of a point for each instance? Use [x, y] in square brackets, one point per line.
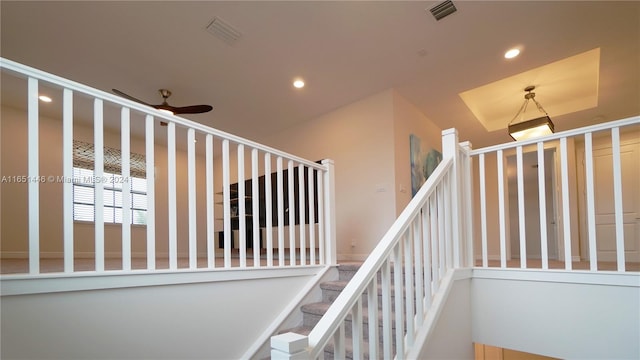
[330, 212]
[450, 150]
[466, 175]
[289, 346]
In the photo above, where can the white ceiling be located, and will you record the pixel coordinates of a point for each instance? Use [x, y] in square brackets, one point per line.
[345, 51]
[568, 85]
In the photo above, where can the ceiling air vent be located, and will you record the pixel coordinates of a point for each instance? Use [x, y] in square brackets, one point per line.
[443, 9]
[224, 31]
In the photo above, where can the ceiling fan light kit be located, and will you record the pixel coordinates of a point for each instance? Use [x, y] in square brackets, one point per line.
[536, 127]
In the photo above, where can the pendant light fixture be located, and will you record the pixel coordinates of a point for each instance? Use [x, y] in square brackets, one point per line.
[535, 127]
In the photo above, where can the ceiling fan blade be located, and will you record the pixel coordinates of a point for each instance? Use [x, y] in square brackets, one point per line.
[193, 109]
[126, 96]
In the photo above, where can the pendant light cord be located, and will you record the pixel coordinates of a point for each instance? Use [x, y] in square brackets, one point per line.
[528, 96]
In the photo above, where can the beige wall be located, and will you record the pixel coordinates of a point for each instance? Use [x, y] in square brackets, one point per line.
[408, 119]
[369, 142]
[357, 137]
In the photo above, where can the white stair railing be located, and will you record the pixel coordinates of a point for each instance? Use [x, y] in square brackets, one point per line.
[567, 175]
[436, 232]
[241, 191]
[407, 268]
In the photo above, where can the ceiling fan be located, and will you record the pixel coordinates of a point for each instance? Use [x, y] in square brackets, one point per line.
[174, 110]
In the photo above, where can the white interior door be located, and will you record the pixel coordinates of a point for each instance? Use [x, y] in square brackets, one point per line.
[604, 202]
[532, 205]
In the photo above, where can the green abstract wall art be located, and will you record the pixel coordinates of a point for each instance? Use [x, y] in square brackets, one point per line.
[423, 162]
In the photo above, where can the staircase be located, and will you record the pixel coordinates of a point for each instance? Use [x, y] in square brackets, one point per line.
[330, 290]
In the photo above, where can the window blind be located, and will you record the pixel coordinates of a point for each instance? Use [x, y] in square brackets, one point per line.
[84, 155]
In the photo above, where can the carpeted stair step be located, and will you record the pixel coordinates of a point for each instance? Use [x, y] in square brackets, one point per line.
[313, 312]
[331, 290]
[347, 270]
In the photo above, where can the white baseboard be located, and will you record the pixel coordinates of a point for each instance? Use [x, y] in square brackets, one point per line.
[352, 257]
[13, 255]
[489, 257]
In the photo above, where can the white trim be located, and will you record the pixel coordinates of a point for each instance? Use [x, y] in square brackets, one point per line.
[352, 257]
[490, 257]
[15, 255]
[612, 278]
[462, 273]
[90, 280]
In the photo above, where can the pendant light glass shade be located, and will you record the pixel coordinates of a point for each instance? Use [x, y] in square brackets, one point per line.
[536, 127]
[531, 128]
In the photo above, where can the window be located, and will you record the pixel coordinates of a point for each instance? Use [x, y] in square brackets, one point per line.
[84, 195]
[84, 182]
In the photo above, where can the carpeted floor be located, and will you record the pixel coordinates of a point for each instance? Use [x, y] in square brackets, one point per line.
[19, 266]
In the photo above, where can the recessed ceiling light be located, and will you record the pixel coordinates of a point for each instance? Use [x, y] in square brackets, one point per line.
[44, 98]
[298, 83]
[511, 53]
